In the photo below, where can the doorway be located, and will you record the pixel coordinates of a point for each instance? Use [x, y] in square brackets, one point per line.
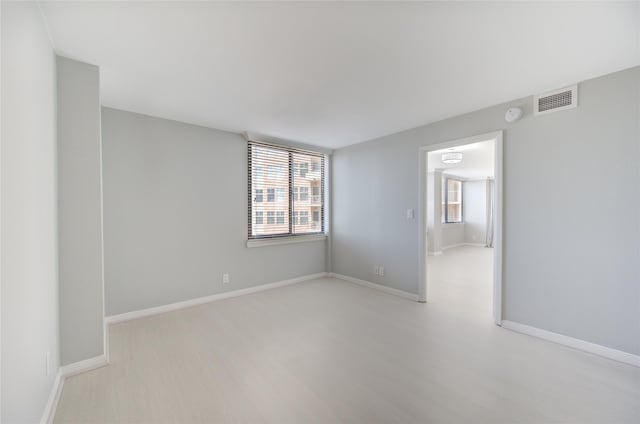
[461, 217]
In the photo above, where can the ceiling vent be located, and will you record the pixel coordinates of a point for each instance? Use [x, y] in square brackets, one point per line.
[555, 101]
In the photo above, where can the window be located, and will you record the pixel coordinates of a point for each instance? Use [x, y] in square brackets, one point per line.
[304, 194]
[291, 176]
[301, 169]
[315, 197]
[451, 201]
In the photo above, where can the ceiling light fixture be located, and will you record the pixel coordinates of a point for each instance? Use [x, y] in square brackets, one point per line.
[452, 157]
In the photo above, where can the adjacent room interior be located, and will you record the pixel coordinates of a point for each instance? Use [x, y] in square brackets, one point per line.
[327, 212]
[461, 223]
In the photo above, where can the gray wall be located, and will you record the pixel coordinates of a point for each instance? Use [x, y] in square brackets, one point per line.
[571, 207]
[474, 200]
[175, 215]
[79, 211]
[452, 234]
[28, 244]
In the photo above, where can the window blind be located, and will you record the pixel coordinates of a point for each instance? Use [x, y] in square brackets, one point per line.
[451, 200]
[286, 191]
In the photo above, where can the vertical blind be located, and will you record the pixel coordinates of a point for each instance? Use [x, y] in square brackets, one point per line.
[286, 191]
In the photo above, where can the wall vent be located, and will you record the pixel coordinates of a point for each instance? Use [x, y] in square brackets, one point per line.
[555, 101]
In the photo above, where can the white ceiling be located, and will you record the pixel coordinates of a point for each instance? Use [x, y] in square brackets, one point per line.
[477, 161]
[334, 74]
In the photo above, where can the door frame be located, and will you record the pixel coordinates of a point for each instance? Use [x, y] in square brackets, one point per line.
[498, 212]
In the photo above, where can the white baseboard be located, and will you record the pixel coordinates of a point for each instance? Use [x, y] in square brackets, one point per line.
[438, 253]
[127, 316]
[62, 374]
[376, 286]
[83, 366]
[464, 244]
[52, 403]
[607, 352]
[452, 246]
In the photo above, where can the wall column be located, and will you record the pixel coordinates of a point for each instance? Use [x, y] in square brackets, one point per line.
[81, 288]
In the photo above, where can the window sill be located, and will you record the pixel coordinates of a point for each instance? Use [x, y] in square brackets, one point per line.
[285, 240]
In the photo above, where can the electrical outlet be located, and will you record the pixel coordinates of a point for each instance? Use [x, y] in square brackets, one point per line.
[47, 363]
[409, 213]
[225, 278]
[381, 271]
[376, 270]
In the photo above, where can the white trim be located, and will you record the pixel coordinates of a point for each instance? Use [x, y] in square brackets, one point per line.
[438, 253]
[596, 349]
[83, 366]
[464, 244]
[475, 244]
[127, 316]
[63, 373]
[498, 224]
[376, 286]
[52, 402]
[497, 136]
[452, 246]
[285, 240]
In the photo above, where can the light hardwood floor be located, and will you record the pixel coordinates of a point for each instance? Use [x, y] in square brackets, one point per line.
[328, 351]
